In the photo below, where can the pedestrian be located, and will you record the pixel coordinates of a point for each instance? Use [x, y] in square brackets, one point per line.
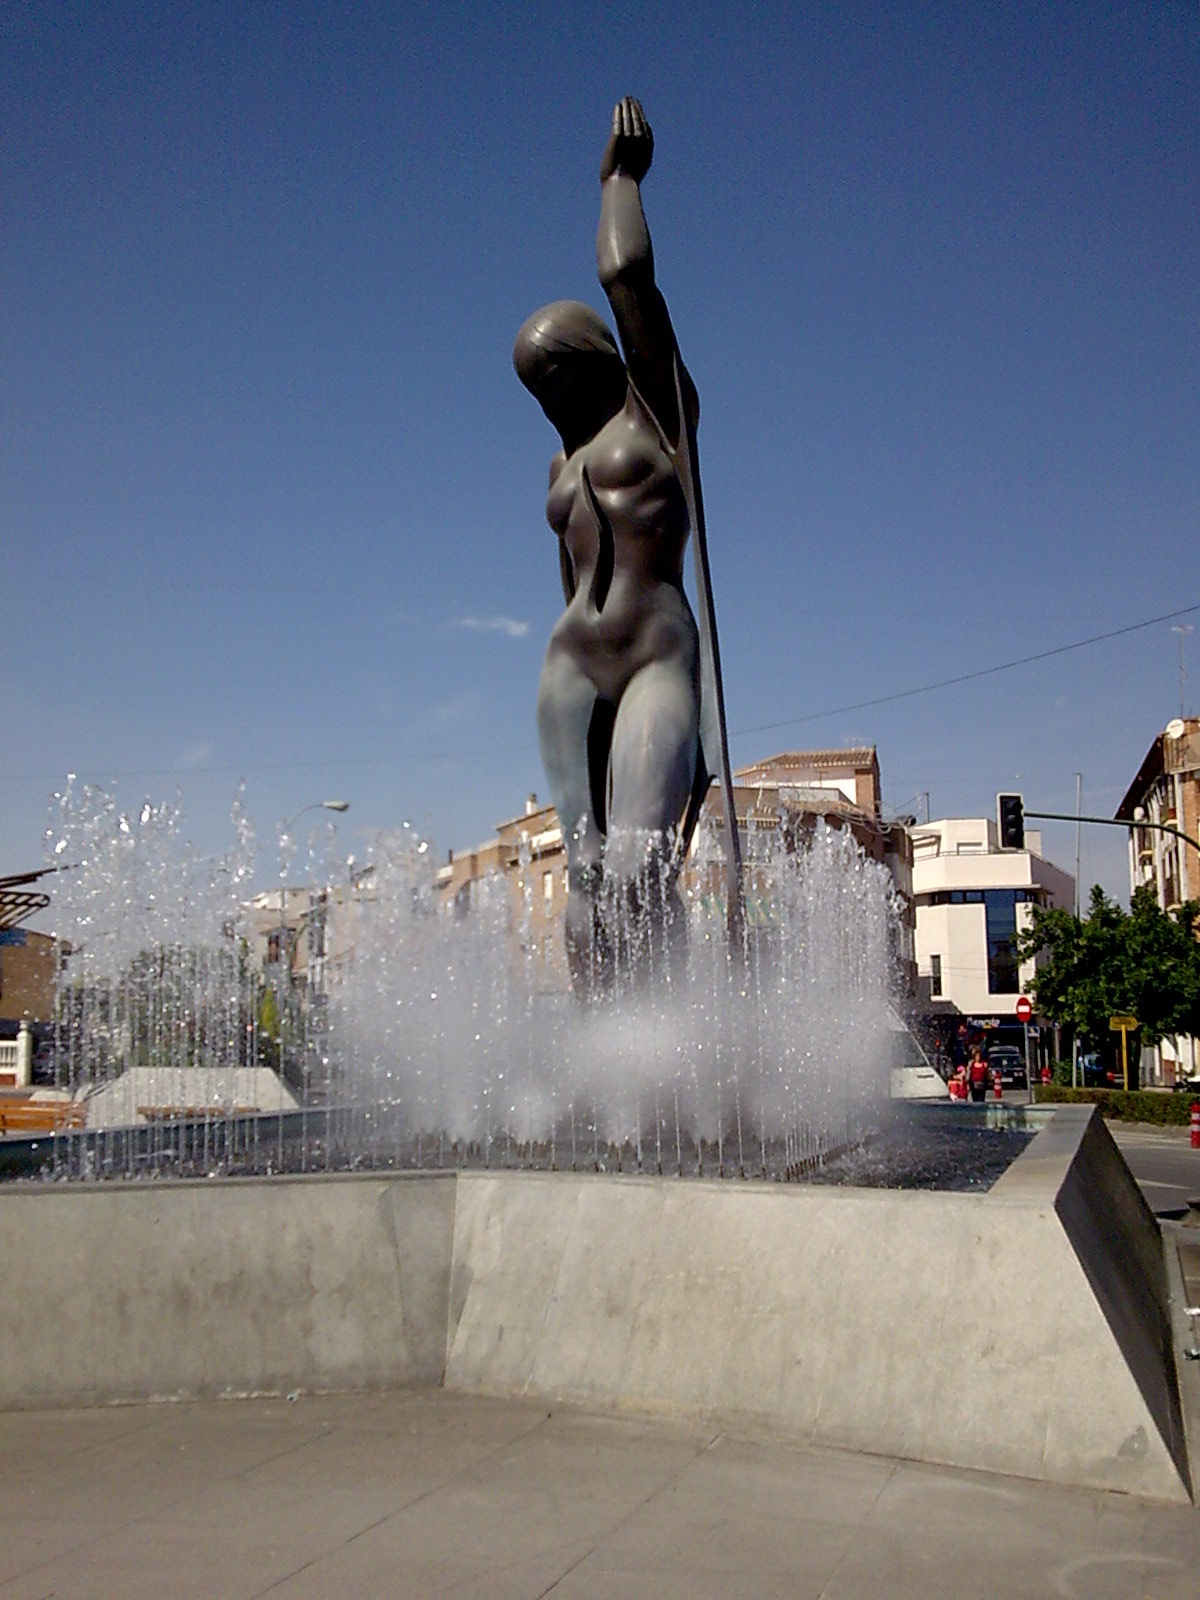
[977, 1075]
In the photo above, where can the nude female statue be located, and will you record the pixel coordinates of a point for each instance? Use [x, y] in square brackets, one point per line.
[620, 698]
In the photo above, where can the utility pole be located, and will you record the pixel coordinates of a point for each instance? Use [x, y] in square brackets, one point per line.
[1078, 834]
[1078, 837]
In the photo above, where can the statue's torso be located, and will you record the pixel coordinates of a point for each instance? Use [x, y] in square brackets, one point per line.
[641, 614]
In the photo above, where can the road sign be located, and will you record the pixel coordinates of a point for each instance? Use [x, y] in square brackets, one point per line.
[1024, 1008]
[1124, 1026]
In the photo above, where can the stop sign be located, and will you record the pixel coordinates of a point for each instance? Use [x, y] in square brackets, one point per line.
[1024, 1008]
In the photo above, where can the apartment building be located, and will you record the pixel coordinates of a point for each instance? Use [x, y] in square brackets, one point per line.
[1166, 790]
[786, 795]
[792, 792]
[971, 899]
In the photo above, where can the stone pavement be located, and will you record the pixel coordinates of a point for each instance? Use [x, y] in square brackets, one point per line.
[426, 1493]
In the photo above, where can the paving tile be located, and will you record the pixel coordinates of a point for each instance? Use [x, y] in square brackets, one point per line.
[422, 1492]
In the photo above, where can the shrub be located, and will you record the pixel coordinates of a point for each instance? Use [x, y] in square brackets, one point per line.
[1121, 1105]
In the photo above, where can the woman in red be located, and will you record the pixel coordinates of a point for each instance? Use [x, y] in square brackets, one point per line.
[977, 1075]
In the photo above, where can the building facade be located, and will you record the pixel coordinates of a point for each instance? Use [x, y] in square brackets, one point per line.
[1166, 791]
[28, 977]
[786, 794]
[971, 899]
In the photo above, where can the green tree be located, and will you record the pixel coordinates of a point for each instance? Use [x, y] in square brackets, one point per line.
[1144, 963]
[269, 1028]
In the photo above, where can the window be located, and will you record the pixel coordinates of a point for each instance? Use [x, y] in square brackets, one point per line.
[547, 887]
[935, 975]
[1001, 911]
[973, 897]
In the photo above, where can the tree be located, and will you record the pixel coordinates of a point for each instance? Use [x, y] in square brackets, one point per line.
[1143, 963]
[270, 1029]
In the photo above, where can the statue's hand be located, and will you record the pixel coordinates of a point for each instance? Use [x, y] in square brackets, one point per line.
[630, 146]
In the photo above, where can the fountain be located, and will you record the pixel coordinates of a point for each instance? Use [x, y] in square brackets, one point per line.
[737, 1035]
[440, 1043]
[729, 1021]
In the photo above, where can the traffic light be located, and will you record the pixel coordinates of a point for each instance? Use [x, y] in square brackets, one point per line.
[1010, 821]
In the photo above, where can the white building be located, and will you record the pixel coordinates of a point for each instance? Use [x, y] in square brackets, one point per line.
[971, 899]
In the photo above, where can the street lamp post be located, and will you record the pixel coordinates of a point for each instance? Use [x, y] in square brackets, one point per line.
[285, 973]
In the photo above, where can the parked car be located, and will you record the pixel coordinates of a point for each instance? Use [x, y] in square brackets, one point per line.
[1010, 1063]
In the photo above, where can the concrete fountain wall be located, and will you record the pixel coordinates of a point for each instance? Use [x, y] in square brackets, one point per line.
[1026, 1330]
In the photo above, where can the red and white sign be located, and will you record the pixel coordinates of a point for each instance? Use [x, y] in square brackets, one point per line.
[1024, 1008]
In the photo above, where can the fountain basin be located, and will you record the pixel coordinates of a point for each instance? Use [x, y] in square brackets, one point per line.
[1026, 1330]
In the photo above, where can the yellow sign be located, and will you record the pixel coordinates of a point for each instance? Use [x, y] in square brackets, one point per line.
[1124, 1026]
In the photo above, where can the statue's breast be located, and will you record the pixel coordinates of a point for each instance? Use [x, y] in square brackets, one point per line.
[631, 475]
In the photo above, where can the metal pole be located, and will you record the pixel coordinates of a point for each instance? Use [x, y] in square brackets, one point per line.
[1078, 834]
[285, 969]
[1114, 822]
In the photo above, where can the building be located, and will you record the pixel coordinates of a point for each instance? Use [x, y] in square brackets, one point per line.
[791, 792]
[28, 975]
[971, 899]
[29, 967]
[1166, 791]
[786, 794]
[528, 850]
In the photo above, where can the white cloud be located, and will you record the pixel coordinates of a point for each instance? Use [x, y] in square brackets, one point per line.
[443, 714]
[197, 756]
[509, 626]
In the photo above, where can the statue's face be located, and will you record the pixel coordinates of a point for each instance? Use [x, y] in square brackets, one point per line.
[578, 386]
[567, 358]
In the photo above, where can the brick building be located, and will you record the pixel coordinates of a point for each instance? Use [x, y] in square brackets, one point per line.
[787, 793]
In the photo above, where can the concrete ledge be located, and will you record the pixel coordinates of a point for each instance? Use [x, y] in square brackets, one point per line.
[180, 1290]
[1023, 1331]
[1011, 1332]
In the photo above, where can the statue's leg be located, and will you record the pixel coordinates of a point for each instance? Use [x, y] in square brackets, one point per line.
[568, 707]
[654, 752]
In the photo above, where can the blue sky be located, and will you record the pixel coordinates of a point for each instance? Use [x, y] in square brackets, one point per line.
[271, 498]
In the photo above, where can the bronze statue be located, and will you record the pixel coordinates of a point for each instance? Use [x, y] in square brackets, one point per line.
[630, 719]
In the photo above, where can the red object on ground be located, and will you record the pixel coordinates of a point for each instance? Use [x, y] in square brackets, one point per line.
[1196, 1124]
[997, 1085]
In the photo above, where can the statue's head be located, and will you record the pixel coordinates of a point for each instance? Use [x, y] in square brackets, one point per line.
[568, 360]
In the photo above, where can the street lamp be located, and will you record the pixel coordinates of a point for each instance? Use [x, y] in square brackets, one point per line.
[313, 805]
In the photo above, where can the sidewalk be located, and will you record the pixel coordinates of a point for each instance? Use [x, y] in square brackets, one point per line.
[434, 1494]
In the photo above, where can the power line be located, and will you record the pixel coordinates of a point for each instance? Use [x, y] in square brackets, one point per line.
[472, 752]
[969, 677]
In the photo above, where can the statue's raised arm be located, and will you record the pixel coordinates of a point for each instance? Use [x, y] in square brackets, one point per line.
[629, 699]
[625, 260]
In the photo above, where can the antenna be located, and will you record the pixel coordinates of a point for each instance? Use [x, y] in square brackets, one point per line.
[1182, 629]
